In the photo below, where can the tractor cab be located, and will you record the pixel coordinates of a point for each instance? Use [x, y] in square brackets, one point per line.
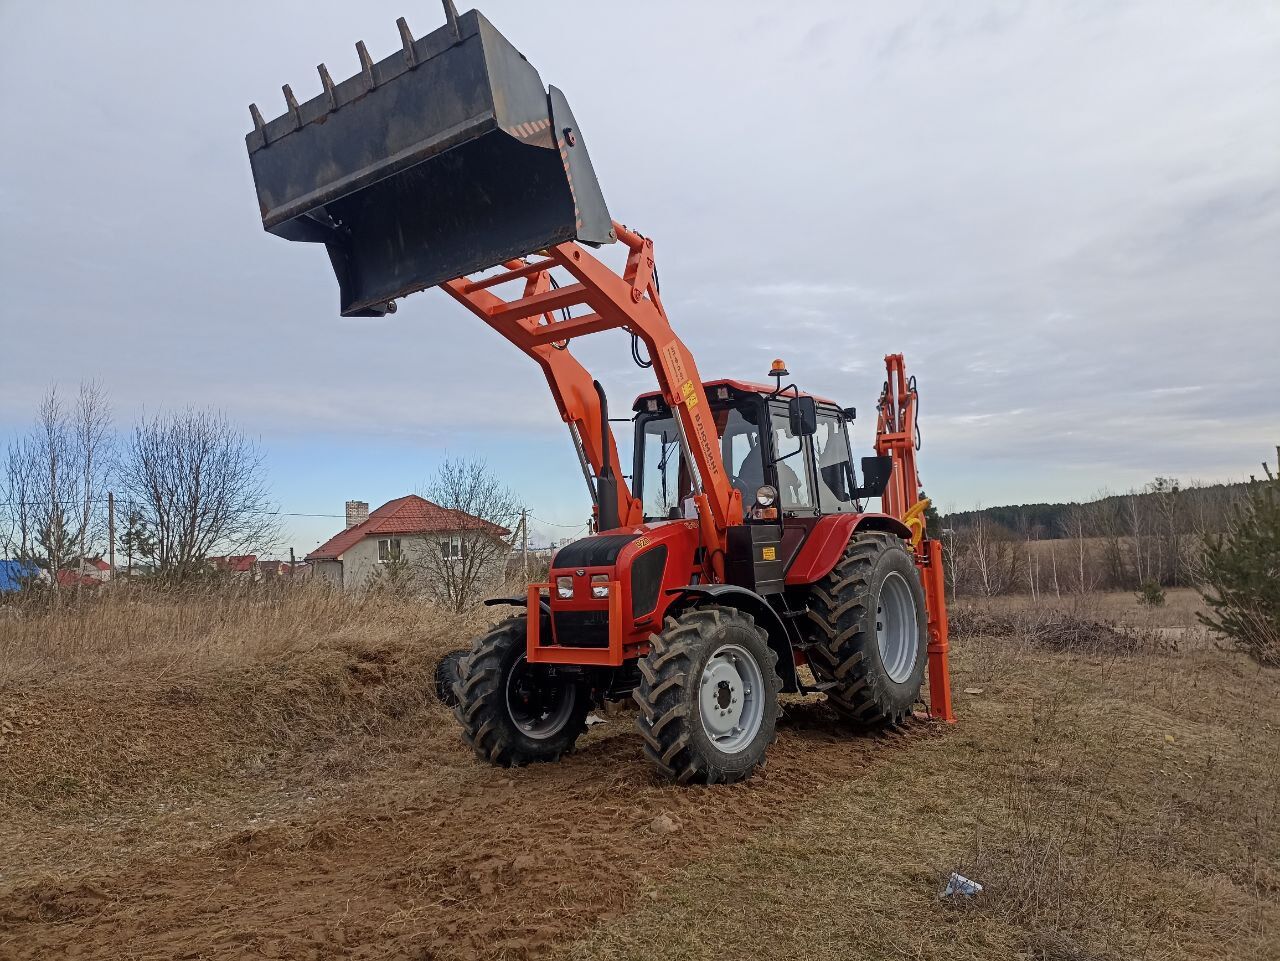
[788, 454]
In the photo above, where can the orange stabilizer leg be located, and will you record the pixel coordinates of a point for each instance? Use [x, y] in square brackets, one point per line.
[935, 593]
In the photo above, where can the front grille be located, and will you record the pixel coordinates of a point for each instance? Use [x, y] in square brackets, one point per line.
[581, 628]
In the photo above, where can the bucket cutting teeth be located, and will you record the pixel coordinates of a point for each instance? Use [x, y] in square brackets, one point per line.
[406, 40]
[366, 65]
[445, 158]
[326, 81]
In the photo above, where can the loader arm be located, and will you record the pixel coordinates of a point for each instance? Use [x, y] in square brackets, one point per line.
[541, 321]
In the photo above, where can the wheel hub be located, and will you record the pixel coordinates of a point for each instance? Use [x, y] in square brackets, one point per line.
[538, 705]
[730, 698]
[896, 628]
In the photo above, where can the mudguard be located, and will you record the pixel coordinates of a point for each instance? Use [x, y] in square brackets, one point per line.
[754, 604]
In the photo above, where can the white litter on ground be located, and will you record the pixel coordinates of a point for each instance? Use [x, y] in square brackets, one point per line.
[959, 884]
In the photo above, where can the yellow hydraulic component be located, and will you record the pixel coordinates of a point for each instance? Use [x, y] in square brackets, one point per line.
[914, 519]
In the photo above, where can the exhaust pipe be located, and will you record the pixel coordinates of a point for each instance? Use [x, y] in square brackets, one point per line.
[607, 481]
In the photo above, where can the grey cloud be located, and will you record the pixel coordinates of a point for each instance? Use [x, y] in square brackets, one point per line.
[1066, 215]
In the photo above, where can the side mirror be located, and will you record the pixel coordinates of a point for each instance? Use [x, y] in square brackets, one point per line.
[803, 414]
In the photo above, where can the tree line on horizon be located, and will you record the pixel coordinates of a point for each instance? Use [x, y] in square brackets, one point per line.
[1149, 538]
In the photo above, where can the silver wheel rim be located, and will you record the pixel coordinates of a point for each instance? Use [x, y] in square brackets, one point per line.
[731, 698]
[896, 627]
[538, 725]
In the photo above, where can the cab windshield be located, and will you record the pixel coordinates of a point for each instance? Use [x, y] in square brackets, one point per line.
[662, 476]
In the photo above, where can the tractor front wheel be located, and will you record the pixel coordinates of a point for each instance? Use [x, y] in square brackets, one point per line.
[708, 696]
[512, 712]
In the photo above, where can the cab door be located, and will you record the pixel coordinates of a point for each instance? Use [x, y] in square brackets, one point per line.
[791, 468]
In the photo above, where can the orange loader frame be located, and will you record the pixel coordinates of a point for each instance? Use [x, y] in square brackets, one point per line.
[629, 301]
[541, 323]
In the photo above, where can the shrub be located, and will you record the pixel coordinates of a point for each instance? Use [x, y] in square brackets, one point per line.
[1150, 594]
[1241, 573]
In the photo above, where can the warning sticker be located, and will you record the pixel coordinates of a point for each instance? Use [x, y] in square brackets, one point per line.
[768, 553]
[689, 393]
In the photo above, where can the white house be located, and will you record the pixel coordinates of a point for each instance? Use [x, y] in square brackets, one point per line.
[396, 531]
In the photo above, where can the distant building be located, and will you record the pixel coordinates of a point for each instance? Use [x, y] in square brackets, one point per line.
[84, 572]
[399, 530]
[236, 564]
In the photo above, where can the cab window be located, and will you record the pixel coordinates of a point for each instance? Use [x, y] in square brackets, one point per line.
[791, 461]
[664, 483]
[662, 477]
[835, 481]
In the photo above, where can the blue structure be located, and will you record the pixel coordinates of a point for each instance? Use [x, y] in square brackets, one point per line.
[14, 575]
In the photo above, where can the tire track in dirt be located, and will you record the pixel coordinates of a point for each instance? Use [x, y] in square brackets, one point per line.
[427, 863]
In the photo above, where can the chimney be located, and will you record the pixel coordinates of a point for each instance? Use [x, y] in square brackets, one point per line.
[357, 513]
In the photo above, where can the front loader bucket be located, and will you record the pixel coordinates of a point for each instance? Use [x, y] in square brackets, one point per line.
[446, 158]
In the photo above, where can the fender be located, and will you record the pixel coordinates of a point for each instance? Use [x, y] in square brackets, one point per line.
[824, 545]
[752, 603]
[516, 602]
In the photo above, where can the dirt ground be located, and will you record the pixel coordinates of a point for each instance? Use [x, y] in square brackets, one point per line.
[313, 801]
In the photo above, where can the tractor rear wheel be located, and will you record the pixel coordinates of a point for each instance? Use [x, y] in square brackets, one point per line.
[708, 696]
[868, 631]
[512, 712]
[448, 673]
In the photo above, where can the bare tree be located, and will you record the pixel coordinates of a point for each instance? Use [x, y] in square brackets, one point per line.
[1053, 558]
[1030, 535]
[54, 478]
[990, 553]
[471, 556]
[199, 487]
[90, 426]
[951, 554]
[1077, 528]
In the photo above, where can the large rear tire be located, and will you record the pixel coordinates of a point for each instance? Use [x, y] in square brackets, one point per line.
[708, 696]
[868, 631]
[449, 673]
[512, 712]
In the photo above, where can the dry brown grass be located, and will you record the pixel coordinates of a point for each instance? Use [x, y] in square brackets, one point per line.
[1116, 802]
[173, 631]
[249, 775]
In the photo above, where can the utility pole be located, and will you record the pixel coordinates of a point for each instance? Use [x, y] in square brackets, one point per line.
[524, 541]
[292, 562]
[111, 535]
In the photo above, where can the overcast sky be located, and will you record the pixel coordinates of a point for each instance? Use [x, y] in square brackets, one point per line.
[1067, 215]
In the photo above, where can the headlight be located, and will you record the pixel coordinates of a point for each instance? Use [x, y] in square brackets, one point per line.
[564, 586]
[599, 585]
[766, 495]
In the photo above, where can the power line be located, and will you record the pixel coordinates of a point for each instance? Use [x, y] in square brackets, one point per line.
[579, 525]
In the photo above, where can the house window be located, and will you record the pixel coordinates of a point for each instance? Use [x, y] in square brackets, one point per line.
[451, 548]
[389, 549]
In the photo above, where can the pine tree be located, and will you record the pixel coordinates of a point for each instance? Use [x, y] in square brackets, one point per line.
[137, 539]
[1242, 573]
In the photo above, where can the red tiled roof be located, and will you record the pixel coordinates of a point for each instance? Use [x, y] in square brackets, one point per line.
[73, 579]
[404, 515]
[237, 563]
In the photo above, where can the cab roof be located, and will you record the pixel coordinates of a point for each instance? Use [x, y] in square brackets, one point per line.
[745, 386]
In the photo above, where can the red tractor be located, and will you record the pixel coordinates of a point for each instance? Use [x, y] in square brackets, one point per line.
[740, 551]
